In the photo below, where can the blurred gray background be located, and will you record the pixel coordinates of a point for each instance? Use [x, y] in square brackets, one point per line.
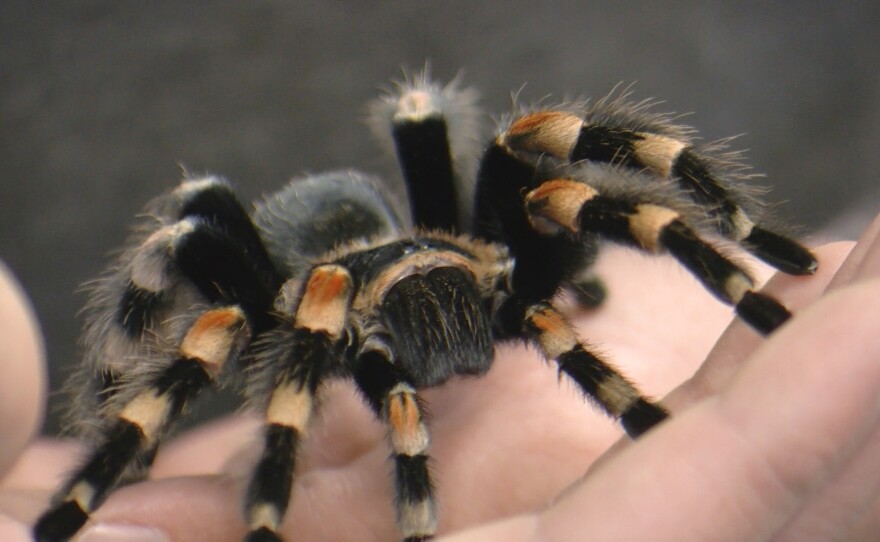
[100, 101]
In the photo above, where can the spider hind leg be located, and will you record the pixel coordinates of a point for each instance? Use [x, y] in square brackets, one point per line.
[292, 364]
[214, 338]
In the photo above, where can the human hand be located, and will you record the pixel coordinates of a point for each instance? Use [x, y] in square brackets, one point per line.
[22, 396]
[775, 438]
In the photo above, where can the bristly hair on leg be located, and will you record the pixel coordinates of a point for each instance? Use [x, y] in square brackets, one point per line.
[323, 280]
[417, 98]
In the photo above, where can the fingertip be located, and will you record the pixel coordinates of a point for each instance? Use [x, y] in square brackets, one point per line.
[191, 508]
[745, 460]
[23, 383]
[43, 464]
[864, 259]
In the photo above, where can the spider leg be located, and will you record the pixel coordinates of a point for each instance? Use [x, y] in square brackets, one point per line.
[589, 289]
[397, 404]
[421, 140]
[290, 369]
[215, 337]
[222, 255]
[182, 261]
[557, 340]
[577, 207]
[432, 128]
[214, 202]
[142, 366]
[664, 150]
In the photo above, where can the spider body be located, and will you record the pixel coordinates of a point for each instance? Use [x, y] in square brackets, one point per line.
[323, 281]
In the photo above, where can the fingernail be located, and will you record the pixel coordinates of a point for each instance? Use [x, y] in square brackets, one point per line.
[122, 533]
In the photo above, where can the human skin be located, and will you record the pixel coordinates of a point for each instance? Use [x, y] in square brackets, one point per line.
[769, 439]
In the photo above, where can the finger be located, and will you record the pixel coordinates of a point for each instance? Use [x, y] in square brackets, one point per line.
[211, 448]
[195, 508]
[343, 432]
[347, 503]
[851, 492]
[658, 322]
[469, 434]
[43, 465]
[865, 252]
[738, 341]
[738, 466]
[866, 527]
[29, 484]
[523, 528]
[849, 496]
[23, 379]
[511, 440]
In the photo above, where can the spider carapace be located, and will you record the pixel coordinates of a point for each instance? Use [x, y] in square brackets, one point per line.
[323, 280]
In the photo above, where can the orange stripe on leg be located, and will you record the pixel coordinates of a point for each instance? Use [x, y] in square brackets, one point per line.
[408, 434]
[555, 334]
[557, 204]
[552, 132]
[325, 300]
[213, 336]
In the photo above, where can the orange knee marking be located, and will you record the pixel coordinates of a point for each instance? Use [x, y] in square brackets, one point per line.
[211, 338]
[553, 132]
[327, 284]
[408, 434]
[403, 413]
[558, 201]
[549, 322]
[536, 121]
[325, 301]
[216, 319]
[557, 336]
[530, 122]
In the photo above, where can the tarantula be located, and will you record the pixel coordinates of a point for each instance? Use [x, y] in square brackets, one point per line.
[323, 281]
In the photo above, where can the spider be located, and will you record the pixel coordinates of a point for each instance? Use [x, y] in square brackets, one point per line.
[323, 280]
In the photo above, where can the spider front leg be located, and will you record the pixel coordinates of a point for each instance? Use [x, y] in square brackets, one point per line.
[614, 131]
[557, 340]
[290, 370]
[576, 206]
[213, 339]
[396, 403]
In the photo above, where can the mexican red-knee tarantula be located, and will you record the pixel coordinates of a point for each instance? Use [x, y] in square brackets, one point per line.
[321, 281]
